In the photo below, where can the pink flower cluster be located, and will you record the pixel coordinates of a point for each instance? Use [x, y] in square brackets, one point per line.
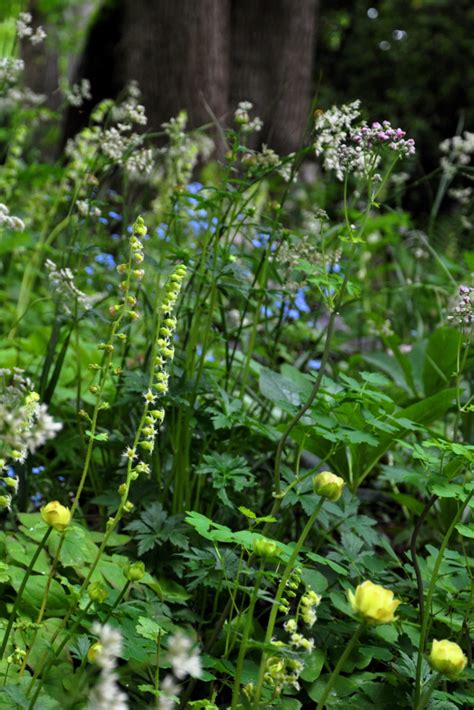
[463, 313]
[379, 134]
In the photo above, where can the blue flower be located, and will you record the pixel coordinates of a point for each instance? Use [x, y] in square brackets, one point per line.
[314, 364]
[261, 240]
[37, 499]
[161, 231]
[36, 470]
[115, 215]
[300, 302]
[103, 220]
[11, 472]
[194, 187]
[106, 260]
[89, 270]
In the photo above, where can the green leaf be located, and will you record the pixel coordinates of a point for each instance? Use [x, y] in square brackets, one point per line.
[313, 664]
[446, 489]
[465, 530]
[58, 601]
[440, 359]
[149, 629]
[279, 388]
[77, 549]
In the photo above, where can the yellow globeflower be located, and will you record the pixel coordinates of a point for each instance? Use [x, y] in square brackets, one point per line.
[328, 485]
[447, 657]
[56, 515]
[374, 603]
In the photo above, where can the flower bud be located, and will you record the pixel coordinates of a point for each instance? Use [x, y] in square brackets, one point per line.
[139, 227]
[135, 572]
[328, 485]
[56, 515]
[97, 592]
[265, 548]
[5, 502]
[275, 666]
[375, 604]
[94, 651]
[447, 657]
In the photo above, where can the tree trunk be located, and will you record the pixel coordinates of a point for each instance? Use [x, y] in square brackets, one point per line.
[205, 56]
[272, 64]
[177, 50]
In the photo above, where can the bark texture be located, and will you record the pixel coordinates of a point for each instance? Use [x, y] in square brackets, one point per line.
[205, 56]
[272, 64]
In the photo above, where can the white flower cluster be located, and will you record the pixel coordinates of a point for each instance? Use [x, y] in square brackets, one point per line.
[78, 93]
[184, 656]
[185, 660]
[351, 146]
[24, 29]
[463, 195]
[45, 428]
[281, 672]
[463, 311]
[85, 209]
[309, 602]
[268, 160]
[111, 136]
[24, 96]
[10, 70]
[242, 118]
[64, 288]
[10, 221]
[457, 152]
[25, 424]
[107, 695]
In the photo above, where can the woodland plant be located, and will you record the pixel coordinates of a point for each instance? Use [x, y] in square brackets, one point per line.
[236, 417]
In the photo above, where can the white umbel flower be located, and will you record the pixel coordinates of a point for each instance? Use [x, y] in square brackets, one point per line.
[107, 695]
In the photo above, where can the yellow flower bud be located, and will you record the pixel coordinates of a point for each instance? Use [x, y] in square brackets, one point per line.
[447, 657]
[265, 548]
[94, 651]
[97, 592]
[328, 485]
[135, 572]
[374, 603]
[56, 515]
[275, 666]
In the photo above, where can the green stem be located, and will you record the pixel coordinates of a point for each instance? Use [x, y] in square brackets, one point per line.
[334, 675]
[26, 576]
[245, 638]
[429, 596]
[304, 408]
[281, 588]
[429, 692]
[55, 654]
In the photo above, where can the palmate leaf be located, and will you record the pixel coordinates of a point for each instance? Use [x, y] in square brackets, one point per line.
[155, 527]
[226, 471]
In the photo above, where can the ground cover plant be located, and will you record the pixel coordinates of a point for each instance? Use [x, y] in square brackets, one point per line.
[236, 414]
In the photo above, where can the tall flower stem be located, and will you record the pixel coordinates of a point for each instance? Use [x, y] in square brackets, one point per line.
[19, 595]
[315, 389]
[245, 638]
[429, 596]
[428, 693]
[372, 197]
[334, 675]
[281, 588]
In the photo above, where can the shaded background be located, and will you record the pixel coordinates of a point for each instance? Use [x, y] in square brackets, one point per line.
[410, 61]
